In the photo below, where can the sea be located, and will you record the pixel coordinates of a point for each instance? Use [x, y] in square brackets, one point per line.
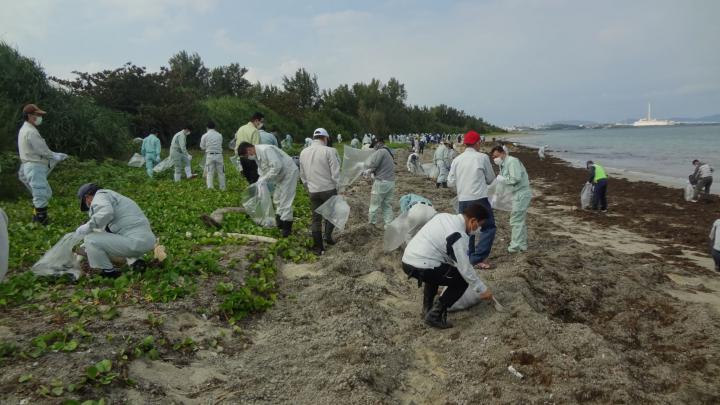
[662, 155]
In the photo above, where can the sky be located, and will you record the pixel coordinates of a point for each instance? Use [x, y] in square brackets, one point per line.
[508, 61]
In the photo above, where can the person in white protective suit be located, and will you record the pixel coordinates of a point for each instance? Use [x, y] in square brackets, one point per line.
[442, 161]
[437, 255]
[117, 228]
[151, 152]
[367, 140]
[381, 164]
[288, 142]
[211, 142]
[355, 143]
[513, 175]
[339, 138]
[308, 142]
[179, 154]
[414, 166]
[36, 159]
[541, 152]
[4, 244]
[276, 167]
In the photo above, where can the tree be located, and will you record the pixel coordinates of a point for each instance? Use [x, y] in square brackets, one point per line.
[189, 71]
[303, 90]
[228, 81]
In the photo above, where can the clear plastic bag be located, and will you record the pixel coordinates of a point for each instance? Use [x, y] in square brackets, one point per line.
[689, 191]
[164, 165]
[336, 210]
[586, 196]
[257, 202]
[60, 259]
[429, 169]
[235, 162]
[500, 196]
[137, 160]
[231, 144]
[406, 225]
[469, 298]
[353, 165]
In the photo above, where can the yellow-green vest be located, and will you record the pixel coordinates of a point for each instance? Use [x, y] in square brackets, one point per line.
[599, 173]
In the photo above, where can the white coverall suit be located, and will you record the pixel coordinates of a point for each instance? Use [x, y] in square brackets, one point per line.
[442, 161]
[276, 167]
[516, 177]
[211, 142]
[37, 160]
[129, 233]
[180, 156]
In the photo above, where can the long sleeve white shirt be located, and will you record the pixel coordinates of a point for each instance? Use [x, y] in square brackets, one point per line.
[428, 249]
[319, 167]
[32, 146]
[715, 234]
[273, 163]
[211, 142]
[471, 173]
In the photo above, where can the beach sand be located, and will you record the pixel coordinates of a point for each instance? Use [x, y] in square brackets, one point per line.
[618, 308]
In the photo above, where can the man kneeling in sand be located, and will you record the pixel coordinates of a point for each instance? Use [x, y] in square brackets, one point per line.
[437, 255]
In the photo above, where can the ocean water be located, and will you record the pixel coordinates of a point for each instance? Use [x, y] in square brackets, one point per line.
[660, 154]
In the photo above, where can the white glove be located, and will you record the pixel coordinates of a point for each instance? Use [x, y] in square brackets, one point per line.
[189, 156]
[500, 178]
[83, 230]
[366, 173]
[59, 156]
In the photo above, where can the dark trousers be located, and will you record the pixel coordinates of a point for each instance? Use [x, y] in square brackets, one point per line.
[316, 200]
[487, 232]
[599, 197]
[446, 275]
[250, 170]
[716, 257]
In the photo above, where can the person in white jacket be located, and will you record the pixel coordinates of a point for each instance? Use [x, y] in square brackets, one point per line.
[320, 172]
[37, 160]
[471, 173]
[276, 167]
[179, 154]
[437, 255]
[442, 161]
[212, 143]
[117, 228]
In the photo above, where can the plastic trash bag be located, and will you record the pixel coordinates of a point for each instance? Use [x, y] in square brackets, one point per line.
[406, 225]
[164, 165]
[60, 259]
[586, 196]
[231, 144]
[353, 165]
[689, 191]
[235, 162]
[137, 160]
[258, 205]
[336, 210]
[500, 196]
[467, 300]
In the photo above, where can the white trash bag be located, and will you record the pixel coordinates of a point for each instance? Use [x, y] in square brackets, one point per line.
[231, 144]
[586, 196]
[336, 210]
[60, 259]
[406, 225]
[137, 160]
[468, 299]
[164, 165]
[689, 191]
[258, 205]
[500, 196]
[235, 162]
[353, 165]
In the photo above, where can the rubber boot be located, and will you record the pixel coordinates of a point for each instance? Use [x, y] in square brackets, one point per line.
[110, 273]
[437, 185]
[429, 293]
[278, 222]
[139, 266]
[286, 228]
[40, 215]
[317, 247]
[327, 237]
[437, 316]
[444, 184]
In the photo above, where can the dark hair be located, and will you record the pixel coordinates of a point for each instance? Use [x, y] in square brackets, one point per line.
[497, 149]
[211, 125]
[477, 211]
[257, 116]
[695, 161]
[243, 147]
[188, 127]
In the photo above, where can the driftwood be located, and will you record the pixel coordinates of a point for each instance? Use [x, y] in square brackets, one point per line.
[216, 218]
[256, 238]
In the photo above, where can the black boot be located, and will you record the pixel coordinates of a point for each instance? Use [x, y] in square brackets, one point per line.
[317, 247]
[40, 215]
[429, 292]
[444, 184]
[437, 185]
[286, 228]
[327, 237]
[110, 273]
[278, 222]
[139, 266]
[437, 316]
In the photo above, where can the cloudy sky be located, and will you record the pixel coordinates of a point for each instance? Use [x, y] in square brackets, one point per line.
[511, 61]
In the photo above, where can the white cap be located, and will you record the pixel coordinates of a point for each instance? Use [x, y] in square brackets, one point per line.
[321, 132]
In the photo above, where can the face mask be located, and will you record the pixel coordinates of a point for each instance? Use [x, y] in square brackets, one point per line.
[260, 125]
[498, 161]
[38, 120]
[251, 157]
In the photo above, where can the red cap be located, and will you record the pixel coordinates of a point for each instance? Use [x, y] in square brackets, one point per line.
[33, 109]
[471, 138]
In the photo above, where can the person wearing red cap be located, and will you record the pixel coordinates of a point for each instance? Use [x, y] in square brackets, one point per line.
[37, 160]
[471, 173]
